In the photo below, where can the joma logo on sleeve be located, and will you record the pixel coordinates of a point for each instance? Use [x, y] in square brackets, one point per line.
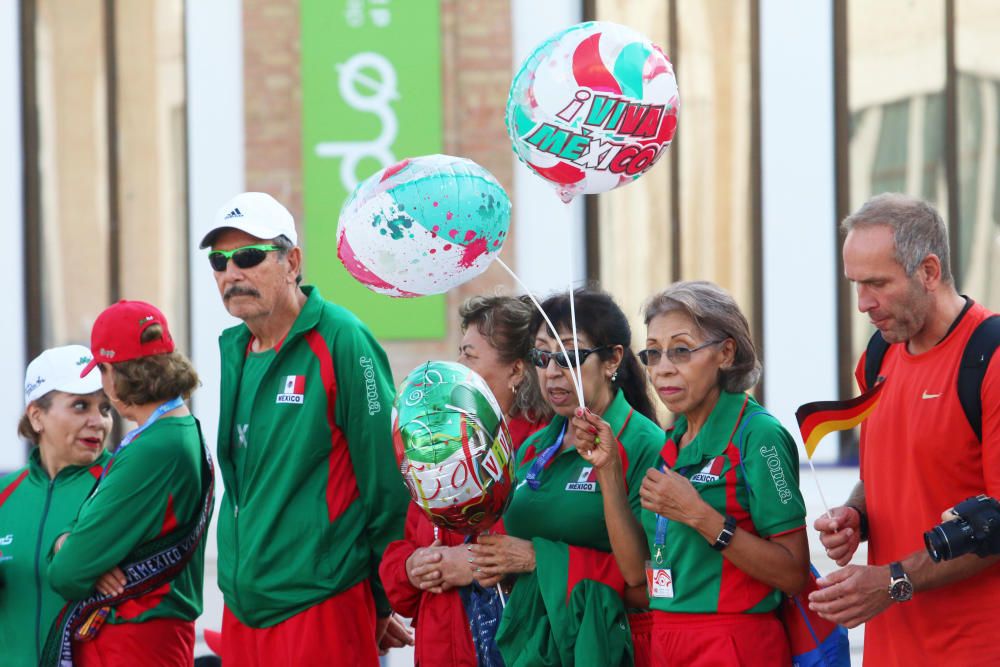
[777, 474]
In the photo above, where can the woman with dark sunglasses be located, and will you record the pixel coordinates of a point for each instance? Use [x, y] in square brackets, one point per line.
[721, 533]
[427, 575]
[566, 605]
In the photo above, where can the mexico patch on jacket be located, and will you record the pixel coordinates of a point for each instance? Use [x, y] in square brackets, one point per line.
[294, 391]
[711, 471]
[585, 482]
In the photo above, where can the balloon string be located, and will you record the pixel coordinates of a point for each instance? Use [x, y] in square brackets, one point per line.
[572, 319]
[572, 371]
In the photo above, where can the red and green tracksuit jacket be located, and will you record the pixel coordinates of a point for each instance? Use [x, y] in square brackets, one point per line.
[318, 495]
[743, 463]
[34, 511]
[570, 609]
[151, 488]
[443, 635]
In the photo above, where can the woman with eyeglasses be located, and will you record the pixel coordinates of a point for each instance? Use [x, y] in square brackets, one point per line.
[721, 534]
[566, 605]
[427, 575]
[66, 419]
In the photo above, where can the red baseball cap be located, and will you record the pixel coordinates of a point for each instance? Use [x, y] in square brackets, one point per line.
[117, 334]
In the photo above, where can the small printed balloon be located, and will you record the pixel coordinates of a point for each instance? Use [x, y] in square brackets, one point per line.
[453, 447]
[593, 108]
[423, 226]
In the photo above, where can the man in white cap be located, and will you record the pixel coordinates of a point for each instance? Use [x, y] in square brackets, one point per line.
[312, 489]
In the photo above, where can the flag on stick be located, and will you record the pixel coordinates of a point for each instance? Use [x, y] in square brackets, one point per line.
[822, 417]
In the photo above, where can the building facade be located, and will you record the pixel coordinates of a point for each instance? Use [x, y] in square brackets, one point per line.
[126, 124]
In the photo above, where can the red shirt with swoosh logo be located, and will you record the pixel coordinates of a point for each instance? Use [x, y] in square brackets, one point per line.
[919, 456]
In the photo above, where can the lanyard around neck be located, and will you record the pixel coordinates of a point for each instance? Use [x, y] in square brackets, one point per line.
[163, 409]
[662, 523]
[543, 460]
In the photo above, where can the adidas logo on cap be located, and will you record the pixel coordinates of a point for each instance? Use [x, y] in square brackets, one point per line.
[235, 213]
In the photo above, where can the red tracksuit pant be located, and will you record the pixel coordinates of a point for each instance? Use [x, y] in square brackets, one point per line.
[338, 631]
[161, 642]
[710, 640]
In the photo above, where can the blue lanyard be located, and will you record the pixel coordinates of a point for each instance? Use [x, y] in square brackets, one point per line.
[543, 460]
[662, 523]
[163, 409]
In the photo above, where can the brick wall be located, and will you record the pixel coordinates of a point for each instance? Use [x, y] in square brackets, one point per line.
[476, 76]
[272, 94]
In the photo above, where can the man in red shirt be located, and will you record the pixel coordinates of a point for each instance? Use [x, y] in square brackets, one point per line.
[919, 454]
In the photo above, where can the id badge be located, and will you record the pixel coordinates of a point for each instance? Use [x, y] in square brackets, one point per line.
[659, 581]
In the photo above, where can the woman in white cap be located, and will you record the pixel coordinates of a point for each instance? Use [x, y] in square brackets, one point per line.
[66, 419]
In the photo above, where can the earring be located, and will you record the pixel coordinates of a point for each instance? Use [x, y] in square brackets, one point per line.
[614, 376]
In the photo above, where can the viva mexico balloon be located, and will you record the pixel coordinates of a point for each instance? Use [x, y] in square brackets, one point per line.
[594, 107]
[423, 226]
[453, 447]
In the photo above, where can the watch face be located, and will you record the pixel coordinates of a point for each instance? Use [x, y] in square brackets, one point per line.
[901, 590]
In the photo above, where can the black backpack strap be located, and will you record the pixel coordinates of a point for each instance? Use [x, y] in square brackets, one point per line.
[874, 354]
[976, 358]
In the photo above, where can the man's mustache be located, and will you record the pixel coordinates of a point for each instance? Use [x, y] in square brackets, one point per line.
[239, 290]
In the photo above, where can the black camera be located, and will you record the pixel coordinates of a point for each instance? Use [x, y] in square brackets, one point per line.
[976, 530]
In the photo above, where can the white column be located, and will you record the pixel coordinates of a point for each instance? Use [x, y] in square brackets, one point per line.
[549, 242]
[12, 268]
[215, 173]
[799, 206]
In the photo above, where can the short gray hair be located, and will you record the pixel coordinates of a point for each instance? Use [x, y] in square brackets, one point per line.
[917, 229]
[717, 316]
[284, 246]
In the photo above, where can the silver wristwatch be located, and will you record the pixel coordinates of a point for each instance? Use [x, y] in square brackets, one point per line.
[900, 586]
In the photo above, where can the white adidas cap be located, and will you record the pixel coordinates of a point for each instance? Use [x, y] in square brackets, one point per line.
[58, 369]
[256, 213]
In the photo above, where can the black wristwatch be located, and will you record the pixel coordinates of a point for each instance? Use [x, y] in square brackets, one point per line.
[726, 534]
[900, 587]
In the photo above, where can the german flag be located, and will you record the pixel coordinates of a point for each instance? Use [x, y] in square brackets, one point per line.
[822, 417]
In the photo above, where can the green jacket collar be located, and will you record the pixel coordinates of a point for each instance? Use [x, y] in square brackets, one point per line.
[618, 415]
[38, 473]
[719, 429]
[239, 336]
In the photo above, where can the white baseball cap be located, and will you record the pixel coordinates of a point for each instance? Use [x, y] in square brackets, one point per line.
[256, 213]
[58, 368]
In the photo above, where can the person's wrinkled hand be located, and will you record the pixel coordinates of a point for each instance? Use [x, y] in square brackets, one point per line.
[852, 595]
[840, 533]
[497, 555]
[672, 496]
[594, 439]
[455, 568]
[423, 567]
[392, 633]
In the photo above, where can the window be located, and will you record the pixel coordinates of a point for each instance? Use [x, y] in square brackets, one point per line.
[105, 164]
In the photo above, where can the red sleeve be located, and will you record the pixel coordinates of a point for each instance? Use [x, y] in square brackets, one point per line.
[403, 596]
[595, 565]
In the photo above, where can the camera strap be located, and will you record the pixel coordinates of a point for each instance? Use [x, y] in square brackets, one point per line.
[972, 370]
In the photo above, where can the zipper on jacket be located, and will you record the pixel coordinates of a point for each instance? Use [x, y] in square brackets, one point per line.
[38, 572]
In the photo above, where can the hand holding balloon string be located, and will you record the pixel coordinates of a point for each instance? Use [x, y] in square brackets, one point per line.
[595, 441]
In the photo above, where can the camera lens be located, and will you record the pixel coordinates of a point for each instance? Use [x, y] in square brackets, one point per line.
[937, 544]
[948, 540]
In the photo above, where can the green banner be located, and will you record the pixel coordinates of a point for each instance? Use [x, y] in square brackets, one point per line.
[371, 96]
